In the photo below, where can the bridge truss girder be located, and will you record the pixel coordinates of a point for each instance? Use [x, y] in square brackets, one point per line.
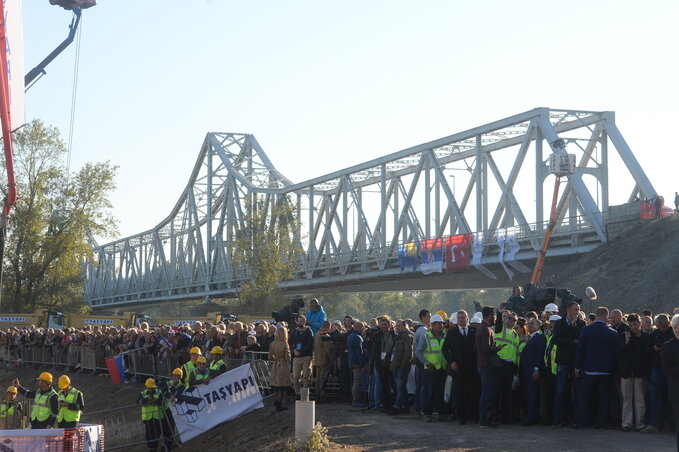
[351, 221]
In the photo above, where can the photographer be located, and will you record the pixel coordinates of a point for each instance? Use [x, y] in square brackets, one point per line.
[301, 343]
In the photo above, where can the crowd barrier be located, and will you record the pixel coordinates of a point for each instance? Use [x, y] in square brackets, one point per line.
[91, 359]
[81, 439]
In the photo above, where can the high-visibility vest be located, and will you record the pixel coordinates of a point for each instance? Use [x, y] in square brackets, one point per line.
[41, 409]
[6, 410]
[550, 355]
[65, 413]
[215, 365]
[187, 367]
[151, 411]
[432, 352]
[519, 352]
[511, 340]
[170, 385]
[199, 376]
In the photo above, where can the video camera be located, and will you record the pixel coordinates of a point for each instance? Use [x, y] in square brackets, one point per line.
[290, 312]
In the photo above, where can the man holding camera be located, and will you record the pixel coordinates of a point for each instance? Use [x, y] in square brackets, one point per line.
[302, 345]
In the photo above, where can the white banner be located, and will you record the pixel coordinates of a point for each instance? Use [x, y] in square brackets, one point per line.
[199, 408]
[91, 438]
[15, 62]
[501, 237]
[477, 253]
[510, 256]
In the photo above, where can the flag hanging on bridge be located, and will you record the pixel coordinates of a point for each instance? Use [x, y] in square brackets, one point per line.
[477, 254]
[408, 255]
[458, 252]
[432, 252]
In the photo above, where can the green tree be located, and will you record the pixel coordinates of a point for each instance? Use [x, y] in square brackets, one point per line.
[50, 228]
[265, 252]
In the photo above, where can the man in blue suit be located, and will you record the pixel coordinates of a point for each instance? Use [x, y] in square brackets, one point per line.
[595, 364]
[532, 366]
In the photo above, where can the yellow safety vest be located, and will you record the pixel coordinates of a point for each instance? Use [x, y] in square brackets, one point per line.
[550, 355]
[187, 367]
[41, 409]
[432, 352]
[215, 365]
[199, 377]
[65, 413]
[170, 386]
[6, 410]
[151, 411]
[511, 340]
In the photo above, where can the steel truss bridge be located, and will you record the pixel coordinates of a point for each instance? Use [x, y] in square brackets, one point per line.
[490, 180]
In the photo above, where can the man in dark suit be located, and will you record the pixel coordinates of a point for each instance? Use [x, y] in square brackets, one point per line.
[669, 356]
[595, 364]
[532, 365]
[458, 349]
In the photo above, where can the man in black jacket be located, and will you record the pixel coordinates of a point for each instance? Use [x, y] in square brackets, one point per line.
[565, 337]
[670, 367]
[631, 352]
[657, 406]
[383, 347]
[458, 349]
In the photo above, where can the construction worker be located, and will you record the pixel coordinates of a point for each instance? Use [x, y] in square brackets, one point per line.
[151, 401]
[45, 408]
[200, 375]
[188, 366]
[71, 404]
[174, 388]
[217, 365]
[429, 351]
[508, 358]
[9, 407]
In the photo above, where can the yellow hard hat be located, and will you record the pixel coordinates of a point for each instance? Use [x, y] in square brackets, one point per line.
[150, 383]
[195, 350]
[12, 390]
[64, 382]
[443, 315]
[201, 359]
[178, 371]
[217, 350]
[45, 376]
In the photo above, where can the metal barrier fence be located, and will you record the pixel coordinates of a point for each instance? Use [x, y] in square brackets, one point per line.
[138, 363]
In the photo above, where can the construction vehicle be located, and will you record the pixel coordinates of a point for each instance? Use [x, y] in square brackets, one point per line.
[57, 320]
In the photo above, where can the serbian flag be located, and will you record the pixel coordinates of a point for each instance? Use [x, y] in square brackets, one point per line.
[116, 368]
[432, 252]
[458, 252]
[408, 255]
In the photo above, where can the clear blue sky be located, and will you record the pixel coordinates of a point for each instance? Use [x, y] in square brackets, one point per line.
[324, 85]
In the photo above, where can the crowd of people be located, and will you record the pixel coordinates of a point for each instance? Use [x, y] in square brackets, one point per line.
[501, 366]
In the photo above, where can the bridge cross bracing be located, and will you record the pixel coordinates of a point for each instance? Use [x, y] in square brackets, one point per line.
[489, 180]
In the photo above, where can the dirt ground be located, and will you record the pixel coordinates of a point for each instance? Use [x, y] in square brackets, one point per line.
[633, 271]
[348, 428]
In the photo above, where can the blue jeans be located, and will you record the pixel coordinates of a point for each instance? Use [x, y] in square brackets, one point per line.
[433, 385]
[564, 392]
[487, 390]
[401, 388]
[419, 370]
[375, 389]
[657, 407]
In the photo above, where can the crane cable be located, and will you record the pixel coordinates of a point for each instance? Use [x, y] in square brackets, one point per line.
[74, 97]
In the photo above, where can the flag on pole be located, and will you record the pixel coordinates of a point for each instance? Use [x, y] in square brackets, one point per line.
[116, 368]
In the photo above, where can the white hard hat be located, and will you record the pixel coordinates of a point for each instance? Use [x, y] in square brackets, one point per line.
[476, 319]
[436, 318]
[478, 314]
[551, 307]
[554, 318]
